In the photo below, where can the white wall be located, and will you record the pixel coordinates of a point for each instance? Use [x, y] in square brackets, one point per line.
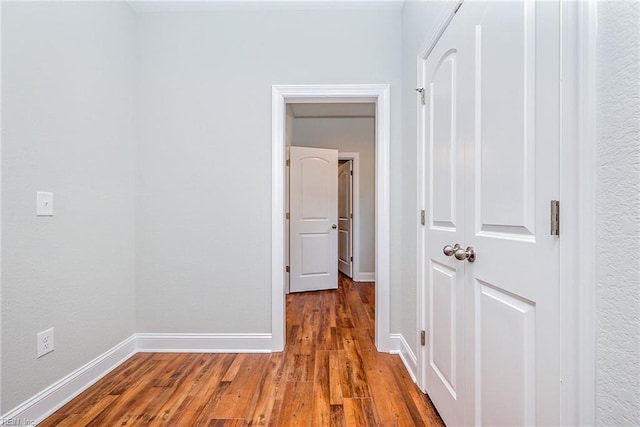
[356, 135]
[68, 127]
[202, 247]
[203, 234]
[618, 214]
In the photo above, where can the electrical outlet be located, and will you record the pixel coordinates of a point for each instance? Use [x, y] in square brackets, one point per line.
[45, 342]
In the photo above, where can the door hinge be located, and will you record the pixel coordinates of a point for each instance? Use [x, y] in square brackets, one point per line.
[286, 269]
[555, 218]
[351, 216]
[351, 259]
[423, 337]
[288, 162]
[351, 173]
[420, 90]
[287, 215]
[423, 217]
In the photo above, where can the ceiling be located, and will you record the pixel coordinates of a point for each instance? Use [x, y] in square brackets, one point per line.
[332, 110]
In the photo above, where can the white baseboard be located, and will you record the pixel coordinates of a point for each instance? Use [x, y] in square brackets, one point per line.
[204, 343]
[366, 277]
[61, 392]
[401, 347]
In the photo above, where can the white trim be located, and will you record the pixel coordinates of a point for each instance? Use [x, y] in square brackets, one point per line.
[0, 215]
[355, 208]
[421, 314]
[281, 94]
[366, 277]
[61, 392]
[441, 24]
[204, 343]
[400, 346]
[578, 214]
[278, 117]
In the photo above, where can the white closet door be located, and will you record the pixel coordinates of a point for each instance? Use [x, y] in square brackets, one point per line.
[445, 224]
[512, 174]
[492, 148]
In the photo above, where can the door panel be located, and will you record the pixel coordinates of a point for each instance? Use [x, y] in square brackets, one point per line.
[442, 142]
[506, 339]
[443, 332]
[345, 221]
[315, 188]
[505, 119]
[313, 212]
[316, 250]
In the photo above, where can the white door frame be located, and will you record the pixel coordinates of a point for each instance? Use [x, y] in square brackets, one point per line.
[577, 215]
[280, 96]
[355, 210]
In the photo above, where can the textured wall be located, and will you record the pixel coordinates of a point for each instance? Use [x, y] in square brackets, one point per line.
[68, 127]
[203, 231]
[354, 135]
[618, 214]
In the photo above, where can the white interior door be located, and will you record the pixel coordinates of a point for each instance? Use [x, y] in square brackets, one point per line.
[443, 357]
[345, 218]
[313, 199]
[512, 174]
[505, 60]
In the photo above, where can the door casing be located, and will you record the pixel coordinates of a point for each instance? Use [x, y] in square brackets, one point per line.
[578, 168]
[355, 93]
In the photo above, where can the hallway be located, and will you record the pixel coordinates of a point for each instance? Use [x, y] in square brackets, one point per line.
[329, 374]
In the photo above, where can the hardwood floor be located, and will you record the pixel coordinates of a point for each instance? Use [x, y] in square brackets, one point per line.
[330, 374]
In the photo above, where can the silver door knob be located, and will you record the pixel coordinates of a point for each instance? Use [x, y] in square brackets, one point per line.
[450, 250]
[469, 254]
[334, 226]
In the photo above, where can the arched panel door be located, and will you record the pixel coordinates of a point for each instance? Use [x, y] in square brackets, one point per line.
[313, 199]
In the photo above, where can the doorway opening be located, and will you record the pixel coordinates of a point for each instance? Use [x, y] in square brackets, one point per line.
[315, 134]
[378, 95]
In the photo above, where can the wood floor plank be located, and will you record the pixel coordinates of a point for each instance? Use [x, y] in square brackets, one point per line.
[321, 390]
[335, 377]
[330, 374]
[172, 403]
[337, 416]
[239, 397]
[354, 366]
[297, 406]
[87, 417]
[217, 422]
[201, 392]
[359, 412]
[267, 392]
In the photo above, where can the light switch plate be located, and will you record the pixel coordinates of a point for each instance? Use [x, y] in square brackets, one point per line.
[44, 204]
